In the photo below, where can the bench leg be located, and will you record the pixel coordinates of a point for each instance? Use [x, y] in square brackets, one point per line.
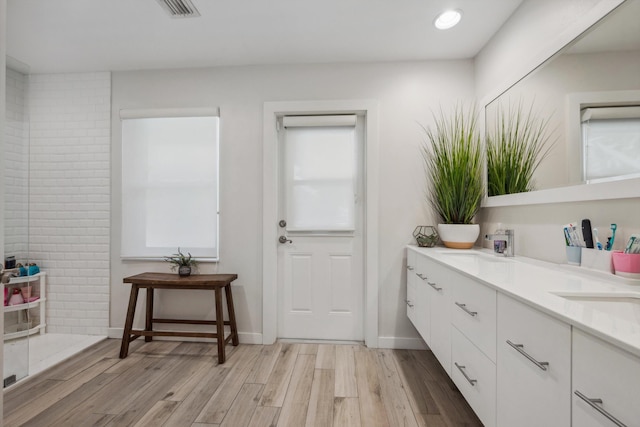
[232, 315]
[148, 326]
[219, 326]
[128, 324]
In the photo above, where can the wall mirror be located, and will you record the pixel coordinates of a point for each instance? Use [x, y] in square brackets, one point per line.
[598, 70]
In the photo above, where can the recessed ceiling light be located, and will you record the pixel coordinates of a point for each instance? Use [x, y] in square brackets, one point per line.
[448, 19]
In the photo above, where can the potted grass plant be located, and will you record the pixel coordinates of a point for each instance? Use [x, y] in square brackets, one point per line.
[516, 145]
[453, 157]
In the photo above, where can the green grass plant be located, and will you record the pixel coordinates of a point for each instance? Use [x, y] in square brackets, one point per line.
[453, 157]
[516, 145]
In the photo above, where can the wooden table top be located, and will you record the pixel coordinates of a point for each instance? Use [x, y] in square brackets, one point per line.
[169, 280]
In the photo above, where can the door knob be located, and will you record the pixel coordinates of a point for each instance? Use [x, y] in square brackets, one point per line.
[283, 239]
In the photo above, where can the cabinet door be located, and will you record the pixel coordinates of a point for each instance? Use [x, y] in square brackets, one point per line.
[411, 285]
[474, 312]
[609, 374]
[440, 290]
[422, 306]
[475, 376]
[533, 367]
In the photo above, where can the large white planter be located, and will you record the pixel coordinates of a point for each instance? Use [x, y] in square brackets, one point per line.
[459, 236]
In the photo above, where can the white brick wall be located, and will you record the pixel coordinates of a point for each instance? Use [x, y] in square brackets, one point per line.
[70, 195]
[15, 164]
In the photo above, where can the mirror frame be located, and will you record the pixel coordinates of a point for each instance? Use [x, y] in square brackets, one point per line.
[622, 189]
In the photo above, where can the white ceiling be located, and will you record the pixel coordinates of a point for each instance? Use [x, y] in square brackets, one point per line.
[100, 35]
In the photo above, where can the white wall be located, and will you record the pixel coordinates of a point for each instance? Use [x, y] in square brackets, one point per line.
[536, 30]
[406, 93]
[69, 197]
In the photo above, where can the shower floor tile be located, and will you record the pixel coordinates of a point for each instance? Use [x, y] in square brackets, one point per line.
[49, 349]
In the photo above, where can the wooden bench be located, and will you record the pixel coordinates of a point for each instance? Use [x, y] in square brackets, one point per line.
[152, 281]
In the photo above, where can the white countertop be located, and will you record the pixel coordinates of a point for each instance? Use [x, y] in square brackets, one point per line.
[536, 282]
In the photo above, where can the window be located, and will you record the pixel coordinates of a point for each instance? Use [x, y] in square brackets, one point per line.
[320, 172]
[611, 142]
[169, 185]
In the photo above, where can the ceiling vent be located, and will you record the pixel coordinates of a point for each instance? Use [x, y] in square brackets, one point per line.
[179, 8]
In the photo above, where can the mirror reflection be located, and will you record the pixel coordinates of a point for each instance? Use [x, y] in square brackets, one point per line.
[589, 95]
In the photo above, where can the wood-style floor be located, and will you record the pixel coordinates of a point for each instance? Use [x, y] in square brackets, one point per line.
[164, 383]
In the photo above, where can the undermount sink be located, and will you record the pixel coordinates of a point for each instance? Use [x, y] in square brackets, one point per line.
[474, 256]
[622, 305]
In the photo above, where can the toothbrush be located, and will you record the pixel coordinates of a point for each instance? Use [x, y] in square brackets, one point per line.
[595, 239]
[614, 227]
[627, 249]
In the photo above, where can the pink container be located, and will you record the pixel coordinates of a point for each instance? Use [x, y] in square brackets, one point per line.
[626, 265]
[26, 292]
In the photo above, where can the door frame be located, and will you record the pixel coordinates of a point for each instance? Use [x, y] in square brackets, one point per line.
[368, 109]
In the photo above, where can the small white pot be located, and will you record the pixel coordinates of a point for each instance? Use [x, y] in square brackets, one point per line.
[459, 236]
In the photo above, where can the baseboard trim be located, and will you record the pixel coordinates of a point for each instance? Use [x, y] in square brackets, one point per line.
[401, 343]
[244, 337]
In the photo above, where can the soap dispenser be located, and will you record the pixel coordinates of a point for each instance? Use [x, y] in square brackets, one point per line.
[503, 241]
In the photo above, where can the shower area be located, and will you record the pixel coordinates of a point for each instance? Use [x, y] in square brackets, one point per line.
[55, 162]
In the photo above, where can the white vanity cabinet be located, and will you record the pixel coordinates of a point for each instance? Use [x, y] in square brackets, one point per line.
[606, 384]
[518, 356]
[533, 367]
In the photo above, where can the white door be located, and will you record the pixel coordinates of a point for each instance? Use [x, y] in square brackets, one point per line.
[320, 255]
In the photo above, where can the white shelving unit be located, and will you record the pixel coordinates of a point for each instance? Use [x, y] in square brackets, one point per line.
[38, 283]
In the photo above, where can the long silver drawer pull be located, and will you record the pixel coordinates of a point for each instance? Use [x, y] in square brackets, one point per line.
[461, 369]
[409, 303]
[520, 349]
[433, 285]
[595, 404]
[409, 268]
[466, 310]
[420, 275]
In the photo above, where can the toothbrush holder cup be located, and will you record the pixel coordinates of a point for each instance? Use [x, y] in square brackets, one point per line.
[574, 255]
[626, 265]
[597, 260]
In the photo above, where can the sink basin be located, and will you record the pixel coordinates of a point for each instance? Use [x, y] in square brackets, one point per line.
[620, 305]
[473, 256]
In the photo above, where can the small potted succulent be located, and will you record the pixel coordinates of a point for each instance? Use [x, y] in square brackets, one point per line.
[184, 263]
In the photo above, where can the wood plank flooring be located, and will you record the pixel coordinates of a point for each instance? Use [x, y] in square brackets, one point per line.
[165, 383]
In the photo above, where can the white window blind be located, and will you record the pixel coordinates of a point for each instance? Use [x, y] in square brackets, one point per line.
[169, 186]
[611, 142]
[320, 173]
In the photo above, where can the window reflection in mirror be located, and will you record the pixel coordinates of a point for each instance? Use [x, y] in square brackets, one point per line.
[605, 60]
[611, 143]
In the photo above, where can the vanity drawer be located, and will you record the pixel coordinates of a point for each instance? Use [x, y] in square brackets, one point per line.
[602, 371]
[533, 367]
[474, 312]
[475, 376]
